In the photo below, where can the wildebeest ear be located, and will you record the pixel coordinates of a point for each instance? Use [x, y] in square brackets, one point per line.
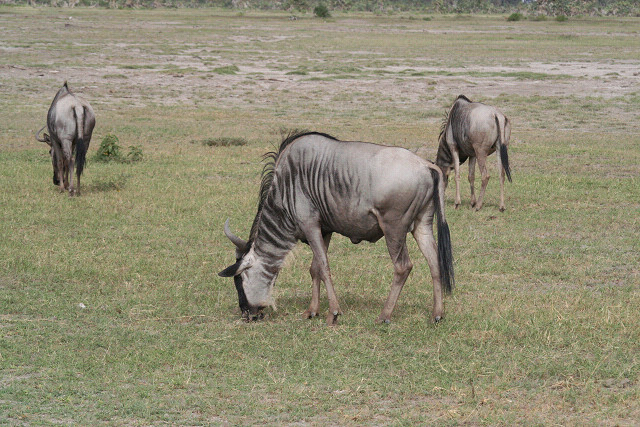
[231, 271]
[241, 265]
[237, 268]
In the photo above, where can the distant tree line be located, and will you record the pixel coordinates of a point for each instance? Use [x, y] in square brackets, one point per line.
[529, 7]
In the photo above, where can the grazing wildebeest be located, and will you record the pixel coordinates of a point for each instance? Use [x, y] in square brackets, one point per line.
[70, 122]
[316, 185]
[474, 130]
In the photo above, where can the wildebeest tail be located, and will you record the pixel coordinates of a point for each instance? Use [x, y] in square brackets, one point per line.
[81, 145]
[445, 254]
[504, 155]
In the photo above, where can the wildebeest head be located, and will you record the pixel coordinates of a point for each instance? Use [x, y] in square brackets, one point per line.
[47, 140]
[252, 277]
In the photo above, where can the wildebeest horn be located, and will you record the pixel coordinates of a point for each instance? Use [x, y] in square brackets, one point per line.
[45, 137]
[240, 244]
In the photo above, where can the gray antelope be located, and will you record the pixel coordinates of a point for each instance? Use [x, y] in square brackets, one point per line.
[316, 185]
[70, 123]
[474, 130]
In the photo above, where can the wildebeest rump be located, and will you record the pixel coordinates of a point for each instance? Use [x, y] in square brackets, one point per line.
[70, 122]
[474, 130]
[316, 185]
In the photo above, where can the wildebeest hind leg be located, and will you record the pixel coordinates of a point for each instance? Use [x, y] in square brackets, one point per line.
[423, 233]
[72, 188]
[482, 164]
[472, 179]
[315, 272]
[397, 246]
[456, 165]
[502, 175]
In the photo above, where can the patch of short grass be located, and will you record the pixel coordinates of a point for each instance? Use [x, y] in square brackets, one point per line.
[222, 141]
[228, 69]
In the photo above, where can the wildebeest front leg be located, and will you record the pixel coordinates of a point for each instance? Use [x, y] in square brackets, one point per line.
[317, 244]
[61, 169]
[316, 275]
[397, 247]
[472, 179]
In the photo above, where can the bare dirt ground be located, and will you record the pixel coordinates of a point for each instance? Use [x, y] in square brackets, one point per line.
[134, 70]
[593, 79]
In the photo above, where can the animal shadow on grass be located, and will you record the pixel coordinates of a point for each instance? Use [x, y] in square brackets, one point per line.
[104, 185]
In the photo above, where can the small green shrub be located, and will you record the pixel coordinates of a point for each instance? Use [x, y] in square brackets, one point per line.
[321, 11]
[562, 18]
[515, 17]
[109, 149]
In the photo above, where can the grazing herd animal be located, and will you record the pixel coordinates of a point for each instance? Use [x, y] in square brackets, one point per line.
[70, 122]
[474, 130]
[315, 185]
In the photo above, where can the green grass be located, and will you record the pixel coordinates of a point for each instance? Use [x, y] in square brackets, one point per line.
[229, 69]
[221, 142]
[111, 309]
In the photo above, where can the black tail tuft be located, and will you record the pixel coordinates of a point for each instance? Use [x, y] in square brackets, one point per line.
[81, 156]
[504, 155]
[445, 254]
[504, 158]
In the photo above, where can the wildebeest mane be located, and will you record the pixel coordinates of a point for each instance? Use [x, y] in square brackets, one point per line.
[271, 158]
[450, 118]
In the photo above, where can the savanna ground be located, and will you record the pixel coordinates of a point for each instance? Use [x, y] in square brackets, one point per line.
[111, 310]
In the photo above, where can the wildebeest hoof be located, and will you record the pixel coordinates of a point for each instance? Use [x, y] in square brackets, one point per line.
[437, 319]
[502, 208]
[384, 320]
[248, 317]
[332, 318]
[309, 314]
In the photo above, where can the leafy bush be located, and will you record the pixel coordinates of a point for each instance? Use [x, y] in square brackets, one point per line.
[562, 18]
[109, 151]
[515, 17]
[321, 11]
